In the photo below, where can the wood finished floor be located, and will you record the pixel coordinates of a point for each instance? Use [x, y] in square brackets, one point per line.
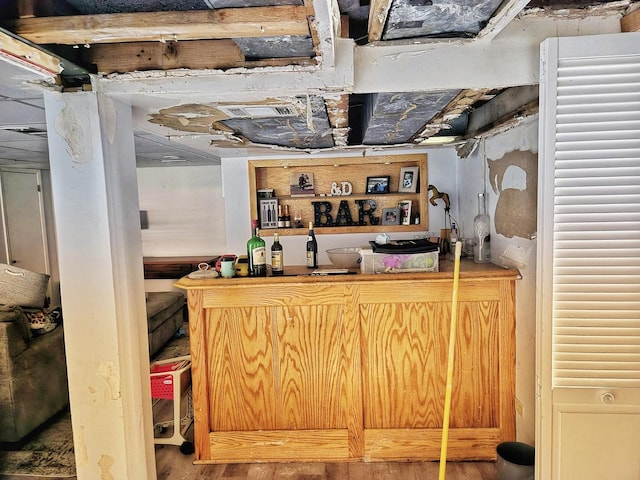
[172, 465]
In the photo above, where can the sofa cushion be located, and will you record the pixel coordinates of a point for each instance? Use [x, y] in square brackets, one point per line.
[33, 387]
[16, 334]
[161, 306]
[22, 287]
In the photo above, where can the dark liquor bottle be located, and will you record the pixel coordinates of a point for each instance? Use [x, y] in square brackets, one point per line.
[256, 253]
[287, 217]
[312, 248]
[277, 256]
[280, 217]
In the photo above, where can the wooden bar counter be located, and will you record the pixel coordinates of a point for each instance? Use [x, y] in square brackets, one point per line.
[351, 367]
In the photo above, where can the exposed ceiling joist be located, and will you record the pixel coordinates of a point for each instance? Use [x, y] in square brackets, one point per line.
[631, 21]
[508, 106]
[164, 26]
[503, 16]
[195, 54]
[325, 28]
[378, 12]
[19, 52]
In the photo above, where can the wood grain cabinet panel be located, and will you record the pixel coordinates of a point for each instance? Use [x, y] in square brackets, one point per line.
[351, 368]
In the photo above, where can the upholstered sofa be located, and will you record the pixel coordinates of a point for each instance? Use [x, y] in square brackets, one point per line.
[33, 372]
[33, 375]
[165, 315]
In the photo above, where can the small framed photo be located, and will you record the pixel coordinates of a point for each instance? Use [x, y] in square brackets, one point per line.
[391, 216]
[408, 180]
[301, 184]
[405, 212]
[378, 184]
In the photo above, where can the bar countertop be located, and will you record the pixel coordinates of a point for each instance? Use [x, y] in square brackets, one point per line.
[302, 274]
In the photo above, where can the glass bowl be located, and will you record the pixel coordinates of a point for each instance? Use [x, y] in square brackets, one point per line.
[344, 257]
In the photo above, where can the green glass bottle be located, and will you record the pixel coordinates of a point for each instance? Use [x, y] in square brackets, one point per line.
[256, 253]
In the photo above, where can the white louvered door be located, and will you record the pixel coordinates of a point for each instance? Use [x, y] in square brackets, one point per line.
[588, 289]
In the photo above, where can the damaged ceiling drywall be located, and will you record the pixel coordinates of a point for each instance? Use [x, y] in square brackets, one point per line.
[139, 40]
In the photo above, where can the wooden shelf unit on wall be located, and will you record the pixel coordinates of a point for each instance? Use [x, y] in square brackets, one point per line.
[276, 175]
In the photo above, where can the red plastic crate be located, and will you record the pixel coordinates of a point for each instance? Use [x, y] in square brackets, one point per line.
[162, 385]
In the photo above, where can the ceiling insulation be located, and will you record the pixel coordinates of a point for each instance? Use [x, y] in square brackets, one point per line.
[393, 118]
[434, 18]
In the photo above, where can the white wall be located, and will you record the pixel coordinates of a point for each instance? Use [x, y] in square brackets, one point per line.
[50, 236]
[185, 210]
[440, 170]
[473, 178]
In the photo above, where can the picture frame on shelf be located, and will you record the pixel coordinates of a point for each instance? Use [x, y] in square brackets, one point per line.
[301, 184]
[405, 212]
[376, 185]
[408, 180]
[265, 193]
[391, 216]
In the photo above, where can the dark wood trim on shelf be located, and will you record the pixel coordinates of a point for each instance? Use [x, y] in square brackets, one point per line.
[173, 267]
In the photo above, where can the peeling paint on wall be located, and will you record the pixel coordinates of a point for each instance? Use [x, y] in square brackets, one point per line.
[80, 446]
[109, 115]
[105, 463]
[514, 178]
[111, 375]
[71, 130]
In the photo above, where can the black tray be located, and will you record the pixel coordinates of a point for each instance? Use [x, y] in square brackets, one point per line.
[420, 245]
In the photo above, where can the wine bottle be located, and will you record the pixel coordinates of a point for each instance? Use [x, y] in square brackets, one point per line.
[481, 233]
[256, 253]
[280, 217]
[287, 217]
[312, 248]
[277, 256]
[453, 239]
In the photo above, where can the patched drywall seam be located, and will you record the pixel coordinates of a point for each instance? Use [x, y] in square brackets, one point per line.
[71, 129]
[109, 113]
[514, 178]
[80, 446]
[111, 375]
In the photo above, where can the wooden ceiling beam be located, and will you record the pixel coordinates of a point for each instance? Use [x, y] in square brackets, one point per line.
[512, 103]
[33, 8]
[507, 11]
[378, 12]
[631, 21]
[164, 26]
[195, 54]
[18, 52]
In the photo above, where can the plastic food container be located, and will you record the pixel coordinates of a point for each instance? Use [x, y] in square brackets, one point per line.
[398, 262]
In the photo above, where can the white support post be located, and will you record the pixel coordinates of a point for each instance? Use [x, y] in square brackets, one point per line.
[98, 233]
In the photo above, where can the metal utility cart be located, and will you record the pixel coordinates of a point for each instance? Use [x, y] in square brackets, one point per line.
[171, 380]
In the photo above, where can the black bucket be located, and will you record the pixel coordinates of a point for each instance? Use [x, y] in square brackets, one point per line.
[515, 461]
